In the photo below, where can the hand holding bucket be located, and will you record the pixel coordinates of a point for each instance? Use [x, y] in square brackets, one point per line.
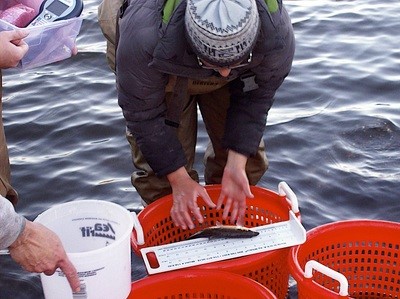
[96, 237]
[38, 249]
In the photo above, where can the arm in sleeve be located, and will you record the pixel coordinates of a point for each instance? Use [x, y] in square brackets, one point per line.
[11, 223]
[247, 114]
[141, 95]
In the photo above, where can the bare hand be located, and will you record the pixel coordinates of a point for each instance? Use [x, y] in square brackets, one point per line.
[185, 192]
[235, 189]
[74, 50]
[12, 47]
[39, 249]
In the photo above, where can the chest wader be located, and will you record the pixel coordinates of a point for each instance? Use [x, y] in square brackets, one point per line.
[183, 96]
[213, 103]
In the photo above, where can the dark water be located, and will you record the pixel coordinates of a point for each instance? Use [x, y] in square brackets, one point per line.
[333, 133]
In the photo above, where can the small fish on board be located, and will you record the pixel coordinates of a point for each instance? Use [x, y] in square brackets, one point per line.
[224, 231]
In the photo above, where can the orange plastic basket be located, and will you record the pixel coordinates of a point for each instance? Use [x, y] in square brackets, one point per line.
[188, 284]
[268, 268]
[363, 253]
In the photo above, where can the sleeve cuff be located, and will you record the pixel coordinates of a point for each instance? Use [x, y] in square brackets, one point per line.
[12, 224]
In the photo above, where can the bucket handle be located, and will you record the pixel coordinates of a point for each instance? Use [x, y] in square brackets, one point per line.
[284, 190]
[138, 228]
[344, 284]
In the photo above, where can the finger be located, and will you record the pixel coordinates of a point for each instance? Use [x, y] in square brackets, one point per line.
[181, 215]
[74, 50]
[220, 200]
[72, 276]
[240, 218]
[24, 47]
[241, 213]
[207, 199]
[197, 214]
[192, 210]
[227, 208]
[18, 34]
[49, 272]
[17, 42]
[234, 213]
[177, 218]
[187, 217]
[247, 192]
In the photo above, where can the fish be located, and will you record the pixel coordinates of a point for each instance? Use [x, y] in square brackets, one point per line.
[224, 231]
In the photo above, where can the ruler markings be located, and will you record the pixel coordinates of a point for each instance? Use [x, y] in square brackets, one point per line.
[199, 251]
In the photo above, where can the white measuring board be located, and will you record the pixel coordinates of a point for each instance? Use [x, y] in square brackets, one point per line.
[200, 251]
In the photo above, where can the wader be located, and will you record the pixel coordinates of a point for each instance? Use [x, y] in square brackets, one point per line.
[213, 106]
[211, 96]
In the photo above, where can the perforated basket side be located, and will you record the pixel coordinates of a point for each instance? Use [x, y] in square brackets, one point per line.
[365, 251]
[267, 207]
[198, 284]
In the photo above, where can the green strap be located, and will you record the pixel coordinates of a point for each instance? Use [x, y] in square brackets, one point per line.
[169, 9]
[272, 5]
[171, 4]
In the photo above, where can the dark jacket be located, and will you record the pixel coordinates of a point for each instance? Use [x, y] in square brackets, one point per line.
[149, 51]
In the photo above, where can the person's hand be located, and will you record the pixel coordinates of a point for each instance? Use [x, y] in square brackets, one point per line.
[235, 188]
[39, 249]
[185, 192]
[74, 50]
[12, 47]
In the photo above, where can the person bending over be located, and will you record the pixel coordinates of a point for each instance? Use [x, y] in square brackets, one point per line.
[226, 58]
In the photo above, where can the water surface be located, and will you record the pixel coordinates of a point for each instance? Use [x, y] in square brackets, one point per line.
[333, 133]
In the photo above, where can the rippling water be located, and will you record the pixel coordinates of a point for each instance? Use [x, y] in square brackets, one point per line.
[333, 133]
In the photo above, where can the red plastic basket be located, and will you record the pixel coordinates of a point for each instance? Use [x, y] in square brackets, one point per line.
[188, 284]
[268, 268]
[363, 253]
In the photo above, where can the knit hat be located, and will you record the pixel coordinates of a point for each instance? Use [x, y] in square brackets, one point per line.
[222, 32]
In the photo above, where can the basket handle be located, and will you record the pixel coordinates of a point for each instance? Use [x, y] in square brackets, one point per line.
[343, 283]
[138, 228]
[284, 190]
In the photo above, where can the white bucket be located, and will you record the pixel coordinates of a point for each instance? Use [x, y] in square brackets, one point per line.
[96, 236]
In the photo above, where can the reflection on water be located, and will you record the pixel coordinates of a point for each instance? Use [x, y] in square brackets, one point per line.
[332, 134]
